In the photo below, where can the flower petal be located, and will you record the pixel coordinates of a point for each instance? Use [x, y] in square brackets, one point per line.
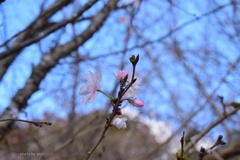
[120, 122]
[91, 86]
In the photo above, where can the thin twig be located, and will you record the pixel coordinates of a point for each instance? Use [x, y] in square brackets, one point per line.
[182, 144]
[180, 155]
[223, 105]
[204, 152]
[39, 124]
[211, 126]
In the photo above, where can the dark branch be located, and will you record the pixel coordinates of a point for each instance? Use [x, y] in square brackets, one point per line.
[39, 124]
[51, 59]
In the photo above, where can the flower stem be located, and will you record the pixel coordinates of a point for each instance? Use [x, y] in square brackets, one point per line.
[110, 97]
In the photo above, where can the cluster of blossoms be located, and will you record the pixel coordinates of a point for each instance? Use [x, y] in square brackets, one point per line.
[133, 90]
[130, 85]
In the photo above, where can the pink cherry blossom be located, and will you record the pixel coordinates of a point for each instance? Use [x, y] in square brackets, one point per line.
[122, 74]
[136, 102]
[91, 86]
[120, 122]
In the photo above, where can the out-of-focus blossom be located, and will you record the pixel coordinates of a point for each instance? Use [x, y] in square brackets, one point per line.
[121, 74]
[136, 102]
[133, 90]
[120, 122]
[122, 19]
[136, 84]
[91, 86]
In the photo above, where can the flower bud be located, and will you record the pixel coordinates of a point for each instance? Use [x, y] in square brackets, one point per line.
[136, 102]
[134, 60]
[122, 74]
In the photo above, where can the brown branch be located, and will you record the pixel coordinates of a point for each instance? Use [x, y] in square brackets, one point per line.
[1, 1]
[211, 126]
[180, 155]
[39, 124]
[41, 22]
[47, 30]
[51, 59]
[182, 144]
[204, 152]
[223, 105]
[36, 24]
[168, 34]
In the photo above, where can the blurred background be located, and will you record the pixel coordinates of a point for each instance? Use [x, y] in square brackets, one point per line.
[189, 56]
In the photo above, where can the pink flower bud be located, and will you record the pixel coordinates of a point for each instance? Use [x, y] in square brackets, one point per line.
[136, 102]
[122, 74]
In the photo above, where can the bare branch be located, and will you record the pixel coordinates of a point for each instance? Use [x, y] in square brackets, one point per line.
[39, 124]
[211, 126]
[51, 59]
[41, 22]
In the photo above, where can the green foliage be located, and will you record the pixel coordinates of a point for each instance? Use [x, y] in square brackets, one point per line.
[235, 104]
[180, 157]
[185, 157]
